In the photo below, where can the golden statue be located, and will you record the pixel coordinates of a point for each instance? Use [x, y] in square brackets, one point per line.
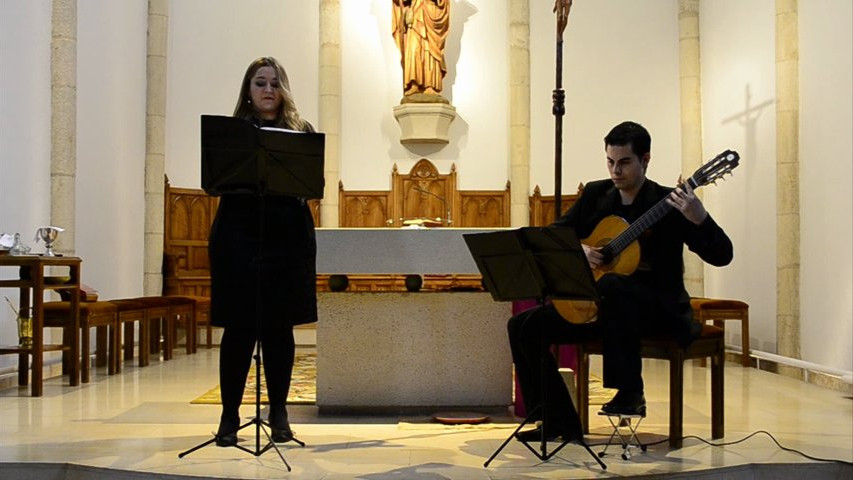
[420, 29]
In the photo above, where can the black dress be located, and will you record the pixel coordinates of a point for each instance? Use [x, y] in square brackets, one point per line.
[286, 282]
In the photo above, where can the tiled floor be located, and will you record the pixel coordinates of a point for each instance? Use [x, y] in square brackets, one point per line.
[141, 420]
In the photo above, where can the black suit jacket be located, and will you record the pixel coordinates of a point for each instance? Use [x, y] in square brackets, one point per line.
[661, 246]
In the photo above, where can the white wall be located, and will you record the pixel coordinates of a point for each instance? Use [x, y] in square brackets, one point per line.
[826, 169]
[211, 43]
[24, 134]
[620, 62]
[739, 112]
[110, 202]
[476, 84]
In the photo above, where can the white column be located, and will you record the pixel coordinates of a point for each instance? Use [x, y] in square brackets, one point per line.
[63, 121]
[519, 112]
[155, 146]
[691, 120]
[787, 184]
[330, 106]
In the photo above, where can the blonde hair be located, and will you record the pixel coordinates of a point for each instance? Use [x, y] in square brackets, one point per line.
[287, 115]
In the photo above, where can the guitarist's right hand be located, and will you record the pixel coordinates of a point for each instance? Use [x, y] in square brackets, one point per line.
[593, 256]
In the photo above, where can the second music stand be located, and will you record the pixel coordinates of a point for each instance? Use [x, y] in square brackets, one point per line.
[534, 263]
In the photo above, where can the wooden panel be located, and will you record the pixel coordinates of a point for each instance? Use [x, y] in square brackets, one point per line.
[542, 207]
[188, 216]
[397, 283]
[483, 209]
[363, 209]
[423, 193]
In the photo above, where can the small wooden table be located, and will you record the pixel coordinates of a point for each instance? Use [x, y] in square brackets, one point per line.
[32, 282]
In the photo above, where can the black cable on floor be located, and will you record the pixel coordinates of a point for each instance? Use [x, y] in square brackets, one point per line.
[724, 444]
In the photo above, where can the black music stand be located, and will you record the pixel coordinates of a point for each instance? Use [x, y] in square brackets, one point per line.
[534, 263]
[239, 158]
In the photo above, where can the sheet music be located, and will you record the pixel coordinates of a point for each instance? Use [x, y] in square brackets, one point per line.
[276, 129]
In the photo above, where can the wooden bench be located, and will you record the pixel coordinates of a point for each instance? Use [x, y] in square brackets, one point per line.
[711, 343]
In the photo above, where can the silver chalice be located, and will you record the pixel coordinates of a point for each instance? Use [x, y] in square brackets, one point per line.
[48, 235]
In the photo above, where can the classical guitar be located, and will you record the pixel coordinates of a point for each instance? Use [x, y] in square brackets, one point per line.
[618, 239]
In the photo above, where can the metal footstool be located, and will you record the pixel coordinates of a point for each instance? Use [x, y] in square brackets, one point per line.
[628, 439]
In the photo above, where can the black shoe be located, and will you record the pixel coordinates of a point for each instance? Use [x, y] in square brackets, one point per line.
[226, 440]
[280, 427]
[626, 403]
[535, 435]
[281, 435]
[226, 434]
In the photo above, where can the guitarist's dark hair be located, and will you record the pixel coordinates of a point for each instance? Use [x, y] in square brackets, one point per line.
[630, 133]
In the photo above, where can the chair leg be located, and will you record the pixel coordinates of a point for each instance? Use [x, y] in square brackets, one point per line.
[192, 331]
[744, 329]
[84, 353]
[66, 351]
[144, 351]
[676, 397]
[129, 337]
[23, 369]
[718, 363]
[114, 350]
[168, 336]
[154, 335]
[101, 356]
[583, 388]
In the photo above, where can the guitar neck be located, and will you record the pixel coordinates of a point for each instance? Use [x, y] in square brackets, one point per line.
[646, 220]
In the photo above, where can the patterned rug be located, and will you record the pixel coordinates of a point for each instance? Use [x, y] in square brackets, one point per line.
[303, 389]
[302, 385]
[598, 395]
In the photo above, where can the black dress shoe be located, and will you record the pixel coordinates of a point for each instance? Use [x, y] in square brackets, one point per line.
[280, 427]
[626, 403]
[281, 435]
[226, 434]
[226, 440]
[535, 435]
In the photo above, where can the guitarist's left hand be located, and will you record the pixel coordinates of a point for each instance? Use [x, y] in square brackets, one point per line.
[685, 201]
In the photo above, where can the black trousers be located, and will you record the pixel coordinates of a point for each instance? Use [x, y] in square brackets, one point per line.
[626, 312]
[235, 358]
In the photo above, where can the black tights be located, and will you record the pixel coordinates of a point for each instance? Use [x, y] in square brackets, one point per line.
[235, 358]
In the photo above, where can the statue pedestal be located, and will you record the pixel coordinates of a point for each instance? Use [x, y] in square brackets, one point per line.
[424, 122]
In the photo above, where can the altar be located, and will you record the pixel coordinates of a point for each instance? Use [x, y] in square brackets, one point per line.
[408, 351]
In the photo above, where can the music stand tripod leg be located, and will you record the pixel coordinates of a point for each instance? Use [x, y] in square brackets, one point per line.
[543, 453]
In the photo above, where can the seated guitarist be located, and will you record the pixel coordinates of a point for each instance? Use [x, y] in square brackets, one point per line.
[650, 300]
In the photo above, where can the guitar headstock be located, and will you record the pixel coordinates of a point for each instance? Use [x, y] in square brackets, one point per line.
[715, 168]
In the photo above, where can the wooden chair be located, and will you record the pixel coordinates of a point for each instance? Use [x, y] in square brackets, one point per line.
[101, 315]
[718, 311]
[130, 311]
[202, 318]
[158, 314]
[711, 343]
[182, 311]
